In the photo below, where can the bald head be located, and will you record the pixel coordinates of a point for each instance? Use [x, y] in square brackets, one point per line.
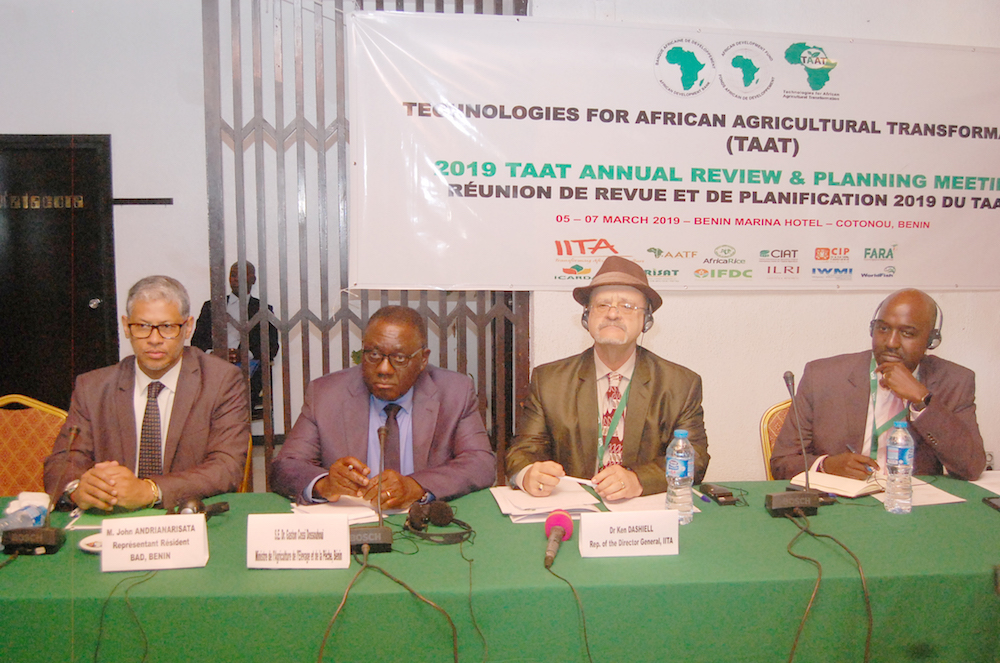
[902, 327]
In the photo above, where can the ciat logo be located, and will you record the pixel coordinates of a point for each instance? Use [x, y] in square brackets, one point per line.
[826, 253]
[583, 247]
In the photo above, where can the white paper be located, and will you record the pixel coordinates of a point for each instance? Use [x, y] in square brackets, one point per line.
[638, 534]
[654, 502]
[990, 481]
[154, 542]
[298, 541]
[924, 494]
[357, 510]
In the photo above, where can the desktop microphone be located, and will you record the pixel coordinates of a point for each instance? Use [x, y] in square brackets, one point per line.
[559, 528]
[45, 539]
[378, 537]
[791, 501]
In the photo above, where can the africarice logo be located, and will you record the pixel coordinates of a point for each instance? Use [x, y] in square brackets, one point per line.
[576, 270]
[817, 65]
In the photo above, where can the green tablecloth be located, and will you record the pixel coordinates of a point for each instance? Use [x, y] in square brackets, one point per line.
[733, 594]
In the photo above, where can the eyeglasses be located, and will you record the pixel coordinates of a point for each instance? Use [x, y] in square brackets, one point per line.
[397, 359]
[623, 307]
[167, 331]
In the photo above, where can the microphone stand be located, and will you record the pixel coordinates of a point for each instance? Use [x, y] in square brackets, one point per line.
[378, 537]
[794, 500]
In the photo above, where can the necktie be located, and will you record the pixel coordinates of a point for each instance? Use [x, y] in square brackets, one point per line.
[613, 453]
[391, 460]
[150, 457]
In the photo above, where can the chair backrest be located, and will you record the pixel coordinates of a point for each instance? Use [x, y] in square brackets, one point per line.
[770, 426]
[26, 438]
[246, 486]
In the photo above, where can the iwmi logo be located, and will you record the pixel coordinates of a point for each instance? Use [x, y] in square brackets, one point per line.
[576, 270]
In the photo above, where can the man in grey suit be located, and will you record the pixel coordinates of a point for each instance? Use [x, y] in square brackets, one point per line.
[568, 423]
[436, 446]
[848, 403]
[122, 456]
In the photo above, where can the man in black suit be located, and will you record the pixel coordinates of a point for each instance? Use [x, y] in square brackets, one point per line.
[202, 337]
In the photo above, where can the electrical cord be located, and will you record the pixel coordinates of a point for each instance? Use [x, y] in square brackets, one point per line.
[11, 559]
[472, 614]
[128, 603]
[579, 605]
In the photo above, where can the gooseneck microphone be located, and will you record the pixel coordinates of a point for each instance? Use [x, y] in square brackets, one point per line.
[790, 385]
[378, 537]
[558, 528]
[794, 501]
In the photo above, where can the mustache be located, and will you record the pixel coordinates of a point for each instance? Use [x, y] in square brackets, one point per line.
[611, 323]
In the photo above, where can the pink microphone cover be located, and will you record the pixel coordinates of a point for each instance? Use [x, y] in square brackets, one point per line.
[559, 518]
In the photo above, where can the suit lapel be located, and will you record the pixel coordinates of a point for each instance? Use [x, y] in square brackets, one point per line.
[635, 411]
[587, 420]
[124, 433]
[188, 391]
[354, 415]
[426, 405]
[857, 403]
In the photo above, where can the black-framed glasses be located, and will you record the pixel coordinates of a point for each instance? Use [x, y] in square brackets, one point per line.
[167, 331]
[374, 357]
[623, 307]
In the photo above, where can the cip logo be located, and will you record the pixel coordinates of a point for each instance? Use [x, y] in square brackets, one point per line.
[833, 254]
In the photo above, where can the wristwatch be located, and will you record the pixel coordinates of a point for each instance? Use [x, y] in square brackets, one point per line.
[922, 404]
[65, 501]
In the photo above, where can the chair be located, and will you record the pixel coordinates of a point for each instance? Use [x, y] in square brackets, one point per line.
[26, 438]
[770, 426]
[246, 486]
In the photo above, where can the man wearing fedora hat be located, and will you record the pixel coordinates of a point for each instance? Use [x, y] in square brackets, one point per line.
[608, 414]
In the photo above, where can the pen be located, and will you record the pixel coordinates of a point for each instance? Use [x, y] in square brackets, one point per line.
[582, 482]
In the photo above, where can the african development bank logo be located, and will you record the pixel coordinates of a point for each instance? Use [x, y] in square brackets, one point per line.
[684, 67]
[815, 62]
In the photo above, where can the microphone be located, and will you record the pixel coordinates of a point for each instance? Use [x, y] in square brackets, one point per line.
[45, 539]
[794, 500]
[559, 528]
[378, 537]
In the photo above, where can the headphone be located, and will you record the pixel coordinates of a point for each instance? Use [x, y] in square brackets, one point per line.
[933, 339]
[647, 322]
[440, 514]
[189, 505]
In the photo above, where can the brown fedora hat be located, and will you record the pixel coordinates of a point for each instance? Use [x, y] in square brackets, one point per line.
[619, 271]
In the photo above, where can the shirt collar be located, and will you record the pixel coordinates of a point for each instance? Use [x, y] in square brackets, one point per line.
[625, 370]
[168, 379]
[405, 402]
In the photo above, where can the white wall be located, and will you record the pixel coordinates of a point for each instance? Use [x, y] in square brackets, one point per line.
[742, 343]
[133, 69]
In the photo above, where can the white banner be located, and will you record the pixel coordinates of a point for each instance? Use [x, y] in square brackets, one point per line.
[515, 153]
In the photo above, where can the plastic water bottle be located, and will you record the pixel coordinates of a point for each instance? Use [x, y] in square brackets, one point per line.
[29, 516]
[680, 475]
[899, 461]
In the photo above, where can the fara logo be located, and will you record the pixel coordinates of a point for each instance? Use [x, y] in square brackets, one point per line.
[814, 60]
[576, 270]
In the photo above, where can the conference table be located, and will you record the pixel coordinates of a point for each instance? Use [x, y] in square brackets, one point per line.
[732, 594]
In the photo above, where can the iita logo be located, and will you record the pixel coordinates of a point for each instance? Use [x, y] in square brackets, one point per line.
[836, 254]
[576, 270]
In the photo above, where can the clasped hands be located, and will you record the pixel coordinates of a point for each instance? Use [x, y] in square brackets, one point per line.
[349, 476]
[108, 484]
[614, 482]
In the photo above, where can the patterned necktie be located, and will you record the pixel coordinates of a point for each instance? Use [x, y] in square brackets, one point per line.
[150, 456]
[391, 460]
[613, 452]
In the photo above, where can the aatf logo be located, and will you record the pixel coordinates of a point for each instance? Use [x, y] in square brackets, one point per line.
[583, 247]
[576, 270]
[833, 254]
[663, 253]
[881, 253]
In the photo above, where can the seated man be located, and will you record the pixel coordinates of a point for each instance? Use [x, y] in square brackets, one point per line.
[567, 424]
[435, 447]
[123, 455]
[202, 337]
[848, 403]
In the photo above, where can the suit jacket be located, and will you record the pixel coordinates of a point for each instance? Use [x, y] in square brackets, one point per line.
[207, 436]
[832, 400]
[559, 419]
[452, 455]
[202, 337]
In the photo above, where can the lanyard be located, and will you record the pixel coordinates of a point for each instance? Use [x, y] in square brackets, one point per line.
[877, 432]
[615, 418]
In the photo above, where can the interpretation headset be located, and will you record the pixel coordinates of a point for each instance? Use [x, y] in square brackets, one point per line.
[647, 322]
[933, 339]
[189, 505]
[440, 514]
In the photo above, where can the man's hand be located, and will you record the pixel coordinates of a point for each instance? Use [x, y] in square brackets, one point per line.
[108, 484]
[896, 377]
[542, 477]
[398, 491]
[851, 465]
[615, 482]
[348, 476]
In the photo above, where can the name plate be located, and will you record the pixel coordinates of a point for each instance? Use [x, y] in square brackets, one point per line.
[628, 534]
[298, 541]
[154, 542]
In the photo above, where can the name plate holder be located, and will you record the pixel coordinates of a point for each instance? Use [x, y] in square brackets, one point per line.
[298, 541]
[628, 534]
[154, 542]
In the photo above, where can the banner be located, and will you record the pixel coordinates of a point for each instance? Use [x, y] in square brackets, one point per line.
[515, 153]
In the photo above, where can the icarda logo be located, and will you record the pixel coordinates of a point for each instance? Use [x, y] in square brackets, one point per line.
[576, 271]
[684, 67]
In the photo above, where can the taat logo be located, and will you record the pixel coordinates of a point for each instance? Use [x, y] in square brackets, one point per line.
[814, 60]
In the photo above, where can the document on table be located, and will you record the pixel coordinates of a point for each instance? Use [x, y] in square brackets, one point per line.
[990, 481]
[925, 494]
[356, 509]
[654, 502]
[524, 508]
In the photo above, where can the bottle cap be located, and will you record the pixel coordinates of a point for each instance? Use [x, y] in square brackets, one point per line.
[680, 432]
